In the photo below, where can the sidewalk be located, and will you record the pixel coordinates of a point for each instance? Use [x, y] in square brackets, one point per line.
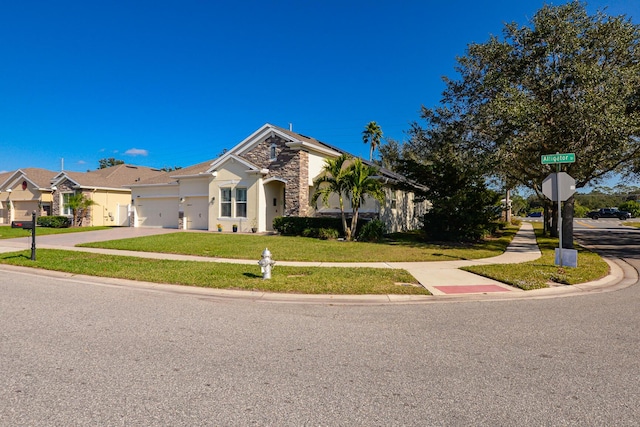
[445, 277]
[440, 278]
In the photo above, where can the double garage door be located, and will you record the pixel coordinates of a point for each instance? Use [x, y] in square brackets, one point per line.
[163, 212]
[23, 209]
[158, 213]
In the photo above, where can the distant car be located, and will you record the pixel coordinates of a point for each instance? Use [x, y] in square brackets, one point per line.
[535, 214]
[609, 213]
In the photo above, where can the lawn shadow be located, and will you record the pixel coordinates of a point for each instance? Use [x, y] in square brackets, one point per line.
[252, 275]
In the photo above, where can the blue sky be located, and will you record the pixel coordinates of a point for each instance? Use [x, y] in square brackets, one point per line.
[172, 83]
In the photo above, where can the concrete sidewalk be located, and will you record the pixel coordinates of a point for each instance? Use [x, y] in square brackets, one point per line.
[445, 277]
[440, 278]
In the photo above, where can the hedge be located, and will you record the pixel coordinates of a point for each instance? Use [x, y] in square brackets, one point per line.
[54, 221]
[308, 226]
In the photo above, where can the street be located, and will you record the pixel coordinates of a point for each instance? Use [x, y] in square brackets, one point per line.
[79, 353]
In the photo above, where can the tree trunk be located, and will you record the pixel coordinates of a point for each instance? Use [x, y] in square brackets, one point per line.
[507, 207]
[567, 223]
[354, 224]
[554, 220]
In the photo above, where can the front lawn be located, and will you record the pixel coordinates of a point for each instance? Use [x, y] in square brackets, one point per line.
[539, 273]
[403, 247]
[6, 232]
[303, 280]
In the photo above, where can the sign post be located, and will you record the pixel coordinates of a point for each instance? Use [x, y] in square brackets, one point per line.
[28, 225]
[563, 185]
[33, 236]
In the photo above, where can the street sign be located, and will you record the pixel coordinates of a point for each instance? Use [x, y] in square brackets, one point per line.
[566, 186]
[549, 159]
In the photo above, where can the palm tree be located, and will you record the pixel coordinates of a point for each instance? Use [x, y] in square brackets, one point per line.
[372, 134]
[79, 205]
[333, 180]
[362, 183]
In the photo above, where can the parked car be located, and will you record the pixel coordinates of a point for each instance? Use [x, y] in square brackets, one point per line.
[609, 213]
[535, 214]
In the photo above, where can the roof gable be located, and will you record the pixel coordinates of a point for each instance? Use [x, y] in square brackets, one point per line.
[293, 140]
[39, 178]
[116, 176]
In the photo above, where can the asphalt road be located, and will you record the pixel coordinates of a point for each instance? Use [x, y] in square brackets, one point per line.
[77, 353]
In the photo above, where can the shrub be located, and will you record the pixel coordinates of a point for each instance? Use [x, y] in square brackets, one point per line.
[54, 221]
[372, 231]
[328, 234]
[297, 225]
[632, 207]
[310, 232]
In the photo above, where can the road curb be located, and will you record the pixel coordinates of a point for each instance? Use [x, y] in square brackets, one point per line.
[621, 276]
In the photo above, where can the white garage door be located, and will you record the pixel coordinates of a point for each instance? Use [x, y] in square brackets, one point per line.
[196, 213]
[159, 213]
[23, 209]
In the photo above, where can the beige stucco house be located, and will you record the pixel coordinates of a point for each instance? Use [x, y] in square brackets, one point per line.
[24, 191]
[105, 187]
[46, 192]
[268, 174]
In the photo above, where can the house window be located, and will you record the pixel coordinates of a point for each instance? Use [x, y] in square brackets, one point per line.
[66, 210]
[392, 200]
[225, 202]
[272, 152]
[241, 202]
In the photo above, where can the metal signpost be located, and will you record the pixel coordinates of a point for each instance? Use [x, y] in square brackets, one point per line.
[28, 225]
[559, 187]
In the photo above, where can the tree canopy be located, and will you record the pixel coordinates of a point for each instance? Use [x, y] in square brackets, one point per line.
[568, 83]
[372, 134]
[348, 177]
[107, 163]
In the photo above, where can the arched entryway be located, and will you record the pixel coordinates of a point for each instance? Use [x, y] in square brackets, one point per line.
[274, 189]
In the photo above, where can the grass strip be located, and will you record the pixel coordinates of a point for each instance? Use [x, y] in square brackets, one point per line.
[403, 247]
[302, 280]
[543, 271]
[6, 232]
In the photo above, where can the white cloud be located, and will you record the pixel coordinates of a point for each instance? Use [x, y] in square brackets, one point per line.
[136, 152]
[82, 162]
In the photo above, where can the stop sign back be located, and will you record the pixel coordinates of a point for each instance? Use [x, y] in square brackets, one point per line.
[559, 181]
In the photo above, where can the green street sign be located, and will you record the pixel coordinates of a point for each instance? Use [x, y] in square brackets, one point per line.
[549, 159]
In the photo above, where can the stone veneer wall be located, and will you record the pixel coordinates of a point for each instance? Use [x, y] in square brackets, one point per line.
[56, 205]
[290, 165]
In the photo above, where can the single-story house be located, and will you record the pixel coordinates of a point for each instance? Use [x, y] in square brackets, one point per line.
[24, 191]
[105, 187]
[268, 174]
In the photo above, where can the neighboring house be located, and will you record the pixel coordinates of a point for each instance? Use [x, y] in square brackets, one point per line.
[268, 174]
[24, 191]
[112, 201]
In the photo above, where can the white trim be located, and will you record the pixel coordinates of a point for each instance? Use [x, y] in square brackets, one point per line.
[195, 195]
[274, 178]
[300, 145]
[22, 177]
[226, 158]
[55, 181]
[164, 184]
[158, 196]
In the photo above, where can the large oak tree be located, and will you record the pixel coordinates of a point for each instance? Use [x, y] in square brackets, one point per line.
[568, 82]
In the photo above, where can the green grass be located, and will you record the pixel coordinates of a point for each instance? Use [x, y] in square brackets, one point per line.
[539, 273]
[403, 247]
[303, 280]
[6, 232]
[635, 224]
